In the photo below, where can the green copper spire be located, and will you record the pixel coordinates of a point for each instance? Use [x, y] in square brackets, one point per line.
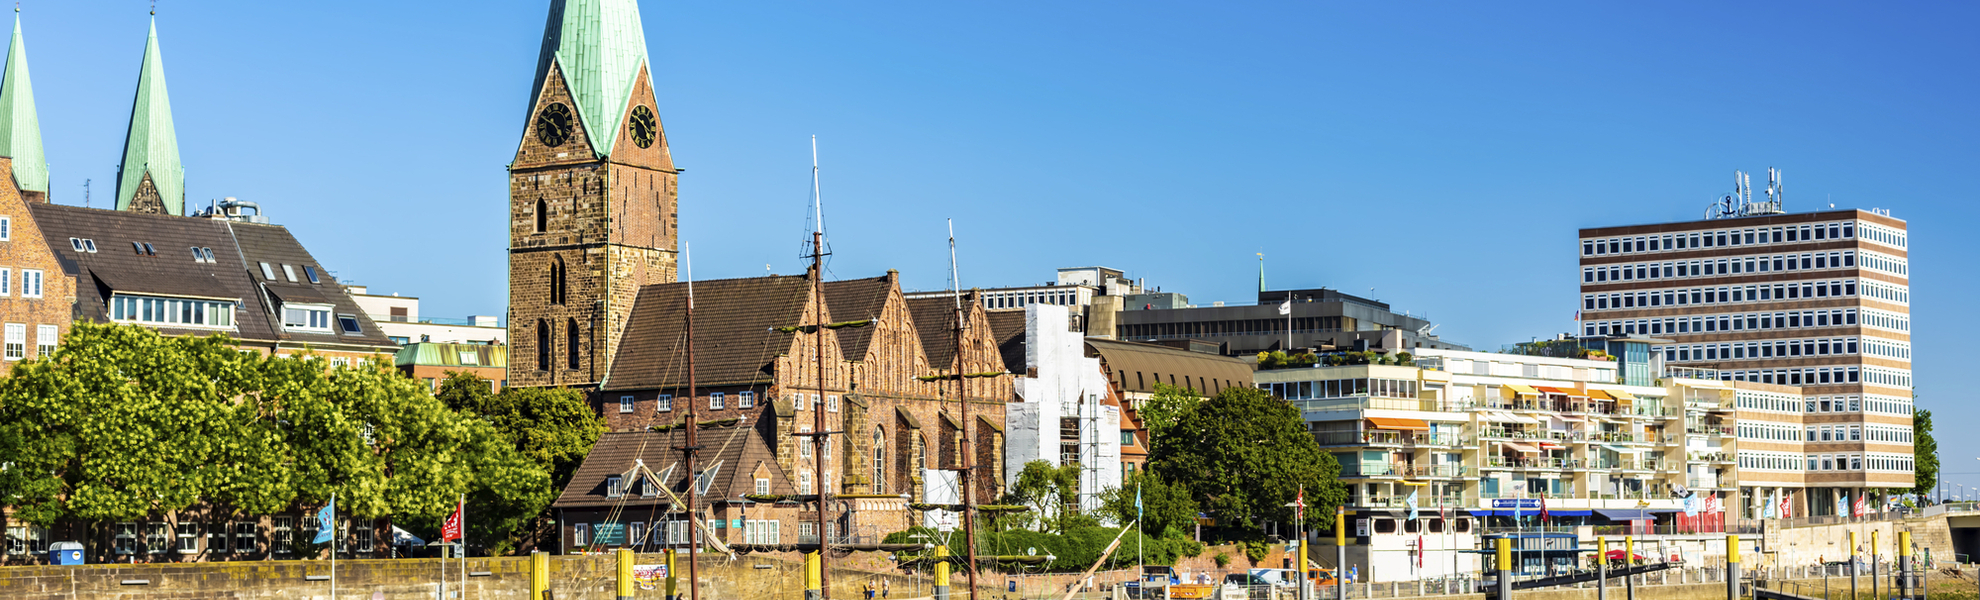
[151, 148]
[599, 46]
[20, 128]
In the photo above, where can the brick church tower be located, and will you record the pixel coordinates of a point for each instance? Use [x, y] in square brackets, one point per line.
[592, 197]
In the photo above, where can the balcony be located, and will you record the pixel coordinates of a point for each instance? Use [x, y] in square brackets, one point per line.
[1424, 503]
[1711, 457]
[1527, 463]
[1631, 465]
[1704, 483]
[1704, 429]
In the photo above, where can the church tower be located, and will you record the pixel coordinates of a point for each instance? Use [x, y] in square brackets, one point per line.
[151, 180]
[592, 196]
[20, 126]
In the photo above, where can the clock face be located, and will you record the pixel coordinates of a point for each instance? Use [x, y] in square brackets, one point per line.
[553, 125]
[643, 127]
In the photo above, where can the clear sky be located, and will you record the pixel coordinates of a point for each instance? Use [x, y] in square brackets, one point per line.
[1443, 154]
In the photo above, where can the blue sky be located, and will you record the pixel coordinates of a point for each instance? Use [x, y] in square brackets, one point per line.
[1442, 154]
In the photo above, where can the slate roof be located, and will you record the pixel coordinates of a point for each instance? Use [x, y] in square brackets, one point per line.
[733, 452]
[934, 321]
[854, 300]
[171, 269]
[1007, 329]
[735, 336]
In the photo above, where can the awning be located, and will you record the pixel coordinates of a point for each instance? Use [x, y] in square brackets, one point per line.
[1549, 446]
[1624, 514]
[1621, 395]
[1570, 513]
[1564, 392]
[1516, 447]
[1622, 449]
[1571, 419]
[1496, 416]
[1522, 390]
[1395, 424]
[1600, 395]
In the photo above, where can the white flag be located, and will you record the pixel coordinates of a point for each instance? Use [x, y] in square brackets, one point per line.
[1285, 308]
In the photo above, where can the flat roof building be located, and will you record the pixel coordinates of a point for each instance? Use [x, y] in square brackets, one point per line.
[1817, 303]
[1321, 319]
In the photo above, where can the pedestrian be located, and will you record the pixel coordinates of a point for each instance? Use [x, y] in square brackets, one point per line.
[885, 588]
[868, 588]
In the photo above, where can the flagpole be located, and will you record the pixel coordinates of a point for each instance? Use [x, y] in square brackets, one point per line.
[333, 546]
[461, 505]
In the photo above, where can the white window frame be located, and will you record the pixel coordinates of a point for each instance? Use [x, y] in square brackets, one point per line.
[31, 283]
[580, 534]
[832, 403]
[16, 341]
[615, 487]
[625, 404]
[663, 403]
[280, 531]
[46, 338]
[745, 399]
[6, 228]
[717, 401]
[6, 281]
[313, 311]
[762, 486]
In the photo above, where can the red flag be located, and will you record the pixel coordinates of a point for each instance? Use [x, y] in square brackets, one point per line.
[452, 530]
[1861, 508]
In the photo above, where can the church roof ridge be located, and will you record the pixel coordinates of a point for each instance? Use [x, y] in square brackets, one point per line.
[600, 46]
[151, 145]
[20, 125]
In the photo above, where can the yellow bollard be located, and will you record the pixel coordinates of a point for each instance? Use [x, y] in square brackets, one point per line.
[1732, 567]
[1905, 583]
[813, 576]
[672, 581]
[539, 574]
[941, 573]
[1505, 569]
[625, 573]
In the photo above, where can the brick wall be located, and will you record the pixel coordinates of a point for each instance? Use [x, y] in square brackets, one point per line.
[26, 250]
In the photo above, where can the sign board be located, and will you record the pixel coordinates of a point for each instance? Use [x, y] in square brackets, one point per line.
[1532, 503]
[649, 576]
[608, 534]
[1361, 528]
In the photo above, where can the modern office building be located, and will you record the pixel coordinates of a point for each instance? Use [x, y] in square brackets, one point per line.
[1813, 307]
[398, 316]
[1089, 293]
[1321, 319]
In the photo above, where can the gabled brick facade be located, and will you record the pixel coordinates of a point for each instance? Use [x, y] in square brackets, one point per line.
[24, 250]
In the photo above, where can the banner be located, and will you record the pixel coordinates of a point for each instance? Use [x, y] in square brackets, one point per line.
[326, 522]
[451, 531]
[649, 576]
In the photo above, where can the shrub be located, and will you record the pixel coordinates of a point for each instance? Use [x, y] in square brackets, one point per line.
[1223, 560]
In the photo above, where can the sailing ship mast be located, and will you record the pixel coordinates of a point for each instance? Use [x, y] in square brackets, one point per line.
[967, 467]
[691, 448]
[822, 438]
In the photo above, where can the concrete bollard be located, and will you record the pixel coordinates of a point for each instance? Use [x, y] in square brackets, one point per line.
[942, 575]
[625, 565]
[1732, 567]
[539, 574]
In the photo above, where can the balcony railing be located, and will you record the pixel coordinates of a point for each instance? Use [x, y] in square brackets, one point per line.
[1711, 457]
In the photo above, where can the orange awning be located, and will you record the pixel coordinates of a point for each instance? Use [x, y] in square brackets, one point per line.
[1570, 392]
[1600, 395]
[1549, 446]
[1394, 424]
[1522, 448]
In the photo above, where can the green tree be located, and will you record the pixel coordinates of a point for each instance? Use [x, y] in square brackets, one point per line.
[1053, 495]
[1167, 510]
[1246, 455]
[1165, 406]
[553, 427]
[1926, 454]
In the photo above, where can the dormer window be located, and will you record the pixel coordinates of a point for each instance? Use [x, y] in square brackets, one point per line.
[175, 312]
[306, 317]
[614, 487]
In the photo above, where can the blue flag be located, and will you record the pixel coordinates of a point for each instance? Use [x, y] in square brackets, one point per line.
[1137, 502]
[326, 522]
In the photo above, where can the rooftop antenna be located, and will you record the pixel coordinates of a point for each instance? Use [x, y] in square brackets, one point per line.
[85, 181]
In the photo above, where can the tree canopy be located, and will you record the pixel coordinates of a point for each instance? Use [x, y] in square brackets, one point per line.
[1165, 406]
[121, 423]
[1053, 495]
[1925, 454]
[1166, 509]
[1246, 455]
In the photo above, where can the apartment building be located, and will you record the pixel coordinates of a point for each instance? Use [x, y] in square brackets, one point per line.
[1813, 308]
[1482, 438]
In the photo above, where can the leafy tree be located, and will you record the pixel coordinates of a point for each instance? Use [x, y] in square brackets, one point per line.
[1053, 495]
[554, 427]
[1167, 510]
[1165, 406]
[1246, 455]
[1926, 454]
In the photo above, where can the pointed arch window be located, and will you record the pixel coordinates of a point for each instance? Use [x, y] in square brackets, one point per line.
[542, 345]
[880, 461]
[571, 343]
[542, 216]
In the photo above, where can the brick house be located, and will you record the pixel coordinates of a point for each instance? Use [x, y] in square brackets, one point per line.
[755, 361]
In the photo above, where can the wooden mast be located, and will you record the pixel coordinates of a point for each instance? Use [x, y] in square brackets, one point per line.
[968, 470]
[691, 447]
[821, 437]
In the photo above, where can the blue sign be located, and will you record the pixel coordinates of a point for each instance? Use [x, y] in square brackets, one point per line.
[1533, 503]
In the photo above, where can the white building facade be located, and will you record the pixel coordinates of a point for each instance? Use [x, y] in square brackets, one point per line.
[1064, 412]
